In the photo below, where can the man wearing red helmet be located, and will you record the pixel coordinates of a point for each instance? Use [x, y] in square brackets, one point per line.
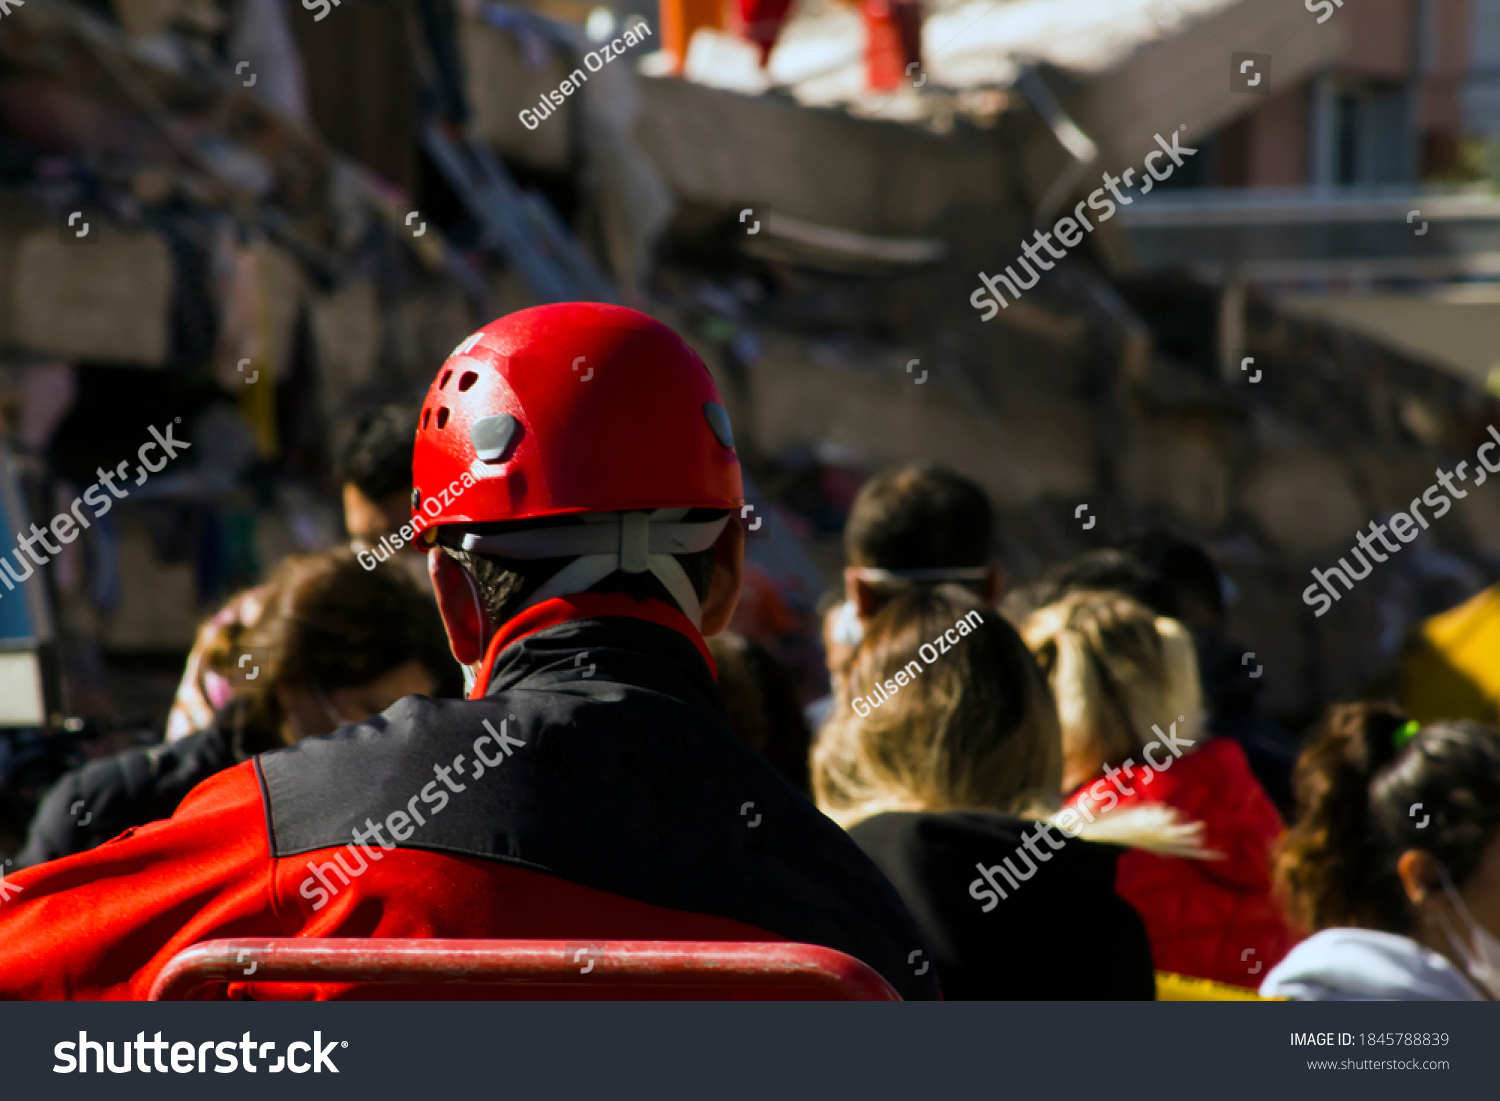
[576, 482]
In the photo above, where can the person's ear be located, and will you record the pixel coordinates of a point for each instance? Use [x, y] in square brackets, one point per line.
[994, 586]
[1419, 875]
[465, 621]
[862, 593]
[729, 574]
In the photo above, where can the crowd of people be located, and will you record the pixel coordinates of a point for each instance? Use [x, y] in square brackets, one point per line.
[1183, 832]
[1059, 789]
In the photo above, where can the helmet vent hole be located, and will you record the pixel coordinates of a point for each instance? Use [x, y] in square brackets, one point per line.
[426, 416]
[446, 376]
[442, 418]
[467, 379]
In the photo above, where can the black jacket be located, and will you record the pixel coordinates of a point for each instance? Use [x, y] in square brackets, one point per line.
[103, 798]
[623, 775]
[1231, 689]
[1059, 934]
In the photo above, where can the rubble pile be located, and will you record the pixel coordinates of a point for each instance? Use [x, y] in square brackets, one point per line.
[228, 243]
[1097, 407]
[176, 241]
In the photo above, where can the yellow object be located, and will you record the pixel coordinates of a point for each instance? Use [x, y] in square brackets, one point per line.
[1451, 669]
[1171, 987]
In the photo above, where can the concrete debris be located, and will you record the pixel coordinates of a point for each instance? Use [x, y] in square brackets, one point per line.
[1069, 409]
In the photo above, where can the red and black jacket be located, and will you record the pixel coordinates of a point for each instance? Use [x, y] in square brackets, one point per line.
[593, 791]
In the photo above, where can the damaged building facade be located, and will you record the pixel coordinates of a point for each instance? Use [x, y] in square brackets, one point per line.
[293, 216]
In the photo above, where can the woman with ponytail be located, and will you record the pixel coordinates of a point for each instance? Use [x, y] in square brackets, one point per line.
[1394, 862]
[1133, 739]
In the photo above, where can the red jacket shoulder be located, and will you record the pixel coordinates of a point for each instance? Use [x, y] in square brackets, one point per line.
[99, 924]
[103, 924]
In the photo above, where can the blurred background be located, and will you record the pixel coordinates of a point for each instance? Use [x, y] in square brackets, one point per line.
[295, 211]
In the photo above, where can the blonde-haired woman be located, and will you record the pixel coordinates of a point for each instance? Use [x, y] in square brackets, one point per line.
[1130, 707]
[942, 759]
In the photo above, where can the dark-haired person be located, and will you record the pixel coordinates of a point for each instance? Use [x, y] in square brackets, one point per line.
[945, 767]
[1231, 688]
[1393, 863]
[1104, 570]
[918, 525]
[590, 787]
[340, 643]
[375, 471]
[1176, 579]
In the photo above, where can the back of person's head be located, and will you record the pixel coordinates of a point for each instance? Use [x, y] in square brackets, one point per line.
[1193, 587]
[1357, 783]
[1115, 668]
[375, 470]
[919, 517]
[333, 631]
[917, 526]
[762, 705]
[376, 459]
[923, 722]
[1172, 576]
[1104, 570]
[571, 448]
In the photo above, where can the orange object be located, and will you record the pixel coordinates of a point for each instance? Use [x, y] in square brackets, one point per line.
[679, 19]
[893, 43]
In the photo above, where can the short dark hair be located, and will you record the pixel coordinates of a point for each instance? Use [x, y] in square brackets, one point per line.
[507, 583]
[920, 516]
[330, 622]
[377, 459]
[1105, 570]
[1180, 564]
[1153, 567]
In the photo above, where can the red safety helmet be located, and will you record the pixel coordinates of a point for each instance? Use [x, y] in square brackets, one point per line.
[572, 408]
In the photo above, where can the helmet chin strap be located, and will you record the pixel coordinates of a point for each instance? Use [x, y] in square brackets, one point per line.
[632, 542]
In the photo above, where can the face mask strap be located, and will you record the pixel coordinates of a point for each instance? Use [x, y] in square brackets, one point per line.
[1481, 953]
